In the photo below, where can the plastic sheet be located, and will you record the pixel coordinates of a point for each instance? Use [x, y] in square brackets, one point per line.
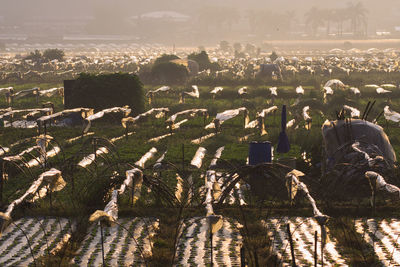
[217, 156]
[202, 139]
[64, 113]
[6, 90]
[259, 119]
[355, 90]
[292, 177]
[21, 154]
[100, 114]
[51, 92]
[159, 90]
[252, 124]
[12, 112]
[354, 113]
[146, 157]
[131, 175]
[177, 125]
[27, 92]
[273, 91]
[267, 111]
[380, 91]
[55, 183]
[227, 115]
[194, 93]
[209, 191]
[101, 216]
[112, 206]
[188, 112]
[243, 91]
[41, 159]
[328, 90]
[300, 90]
[391, 115]
[179, 187]
[290, 123]
[197, 160]
[388, 85]
[47, 176]
[4, 150]
[158, 138]
[86, 161]
[380, 183]
[217, 90]
[159, 162]
[334, 132]
[334, 82]
[306, 116]
[371, 161]
[157, 112]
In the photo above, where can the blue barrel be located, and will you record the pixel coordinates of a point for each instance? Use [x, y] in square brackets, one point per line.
[259, 152]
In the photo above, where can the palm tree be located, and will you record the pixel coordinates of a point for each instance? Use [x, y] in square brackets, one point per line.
[340, 15]
[357, 13]
[289, 17]
[328, 17]
[314, 19]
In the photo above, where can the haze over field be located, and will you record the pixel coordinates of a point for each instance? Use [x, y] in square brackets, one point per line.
[205, 22]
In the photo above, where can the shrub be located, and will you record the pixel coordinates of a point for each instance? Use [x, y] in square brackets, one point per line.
[35, 56]
[47, 55]
[273, 56]
[224, 46]
[105, 91]
[165, 58]
[169, 73]
[51, 54]
[203, 60]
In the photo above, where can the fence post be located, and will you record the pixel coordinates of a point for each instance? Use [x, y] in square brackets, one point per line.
[211, 247]
[183, 158]
[291, 245]
[102, 243]
[315, 249]
[242, 257]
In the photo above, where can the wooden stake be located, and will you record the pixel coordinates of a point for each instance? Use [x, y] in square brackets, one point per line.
[291, 245]
[102, 244]
[315, 249]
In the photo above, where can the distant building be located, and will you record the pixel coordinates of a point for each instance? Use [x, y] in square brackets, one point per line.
[157, 25]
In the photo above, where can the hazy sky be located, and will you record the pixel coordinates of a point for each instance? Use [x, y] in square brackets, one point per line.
[112, 16]
[23, 8]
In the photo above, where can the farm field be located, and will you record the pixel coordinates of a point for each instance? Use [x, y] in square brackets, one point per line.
[125, 186]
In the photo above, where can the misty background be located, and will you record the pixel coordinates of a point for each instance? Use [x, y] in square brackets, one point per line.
[193, 22]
